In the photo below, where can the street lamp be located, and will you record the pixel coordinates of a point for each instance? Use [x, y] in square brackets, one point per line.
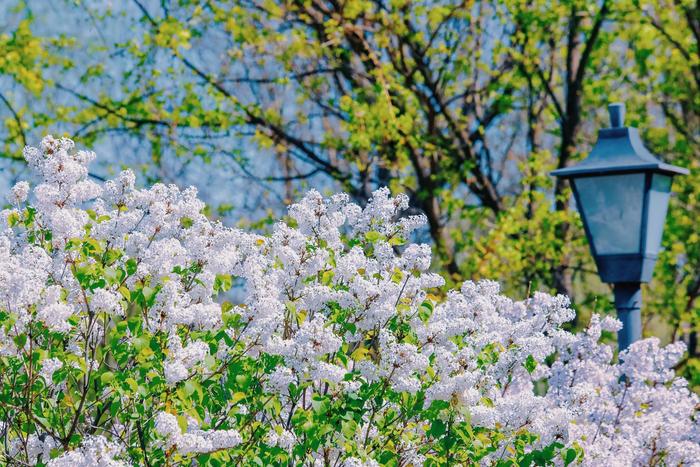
[622, 192]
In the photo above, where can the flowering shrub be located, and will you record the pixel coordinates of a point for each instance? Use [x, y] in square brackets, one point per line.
[134, 330]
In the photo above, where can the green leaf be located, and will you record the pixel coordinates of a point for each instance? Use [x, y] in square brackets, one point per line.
[131, 266]
[125, 293]
[530, 364]
[106, 377]
[570, 456]
[13, 219]
[133, 385]
[425, 311]
[327, 277]
[437, 428]
[193, 388]
[223, 282]
[20, 340]
[149, 295]
[373, 236]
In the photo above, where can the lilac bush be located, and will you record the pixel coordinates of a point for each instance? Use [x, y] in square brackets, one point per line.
[136, 331]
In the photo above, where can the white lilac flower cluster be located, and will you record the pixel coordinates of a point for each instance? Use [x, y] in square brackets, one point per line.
[194, 440]
[636, 412]
[339, 299]
[94, 451]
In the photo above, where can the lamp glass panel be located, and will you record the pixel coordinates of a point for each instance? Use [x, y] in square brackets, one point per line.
[659, 195]
[612, 209]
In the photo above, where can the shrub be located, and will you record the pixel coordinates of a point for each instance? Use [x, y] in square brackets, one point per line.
[134, 330]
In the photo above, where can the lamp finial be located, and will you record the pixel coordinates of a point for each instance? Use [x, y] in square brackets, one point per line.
[617, 114]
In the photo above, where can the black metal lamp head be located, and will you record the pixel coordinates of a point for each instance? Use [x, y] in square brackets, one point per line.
[622, 192]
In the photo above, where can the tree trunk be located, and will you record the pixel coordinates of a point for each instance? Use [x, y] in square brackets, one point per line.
[440, 235]
[693, 344]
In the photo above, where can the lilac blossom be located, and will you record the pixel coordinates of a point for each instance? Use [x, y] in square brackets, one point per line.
[337, 298]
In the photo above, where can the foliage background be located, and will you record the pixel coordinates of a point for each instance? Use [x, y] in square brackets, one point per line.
[463, 105]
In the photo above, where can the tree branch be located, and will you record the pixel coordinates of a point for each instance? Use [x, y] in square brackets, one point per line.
[17, 119]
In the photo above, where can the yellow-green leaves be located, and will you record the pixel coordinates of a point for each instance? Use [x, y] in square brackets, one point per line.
[22, 55]
[172, 34]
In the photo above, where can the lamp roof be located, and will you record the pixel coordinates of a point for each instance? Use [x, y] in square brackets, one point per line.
[619, 149]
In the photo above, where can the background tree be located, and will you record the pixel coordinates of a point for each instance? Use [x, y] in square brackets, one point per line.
[22, 59]
[667, 76]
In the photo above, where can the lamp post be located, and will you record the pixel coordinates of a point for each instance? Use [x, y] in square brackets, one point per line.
[622, 193]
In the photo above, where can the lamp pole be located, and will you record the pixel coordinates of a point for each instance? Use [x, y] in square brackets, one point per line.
[628, 302]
